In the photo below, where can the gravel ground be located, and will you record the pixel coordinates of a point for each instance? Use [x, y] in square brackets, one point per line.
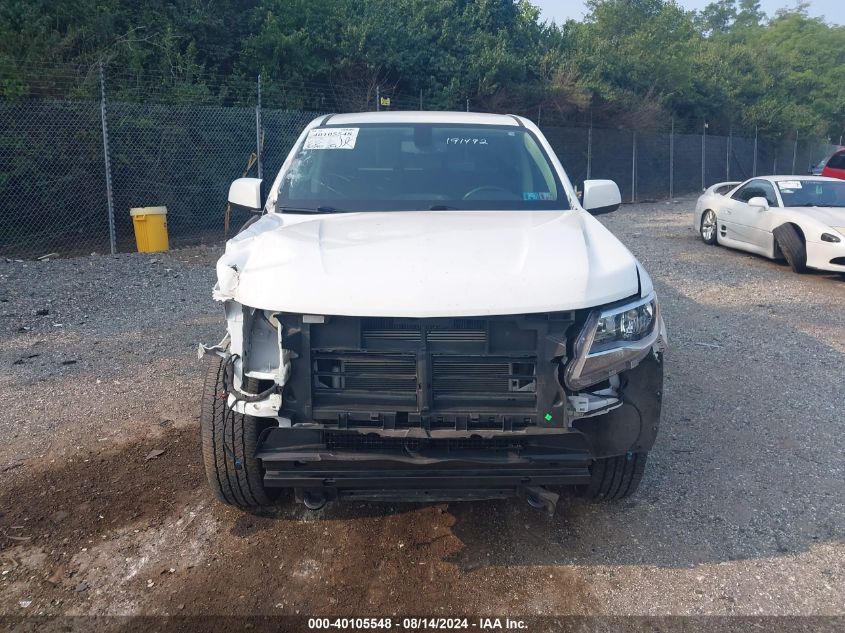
[740, 512]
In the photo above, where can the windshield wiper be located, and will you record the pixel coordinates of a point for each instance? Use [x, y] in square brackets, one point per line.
[816, 204]
[309, 210]
[442, 207]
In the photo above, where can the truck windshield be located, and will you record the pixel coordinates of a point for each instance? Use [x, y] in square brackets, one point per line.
[408, 167]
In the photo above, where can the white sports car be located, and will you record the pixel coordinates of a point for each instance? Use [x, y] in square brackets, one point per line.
[797, 218]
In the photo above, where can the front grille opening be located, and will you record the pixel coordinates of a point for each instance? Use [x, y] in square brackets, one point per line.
[328, 374]
[458, 331]
[371, 442]
[441, 373]
[380, 331]
[522, 377]
[479, 375]
[838, 261]
[394, 330]
[365, 373]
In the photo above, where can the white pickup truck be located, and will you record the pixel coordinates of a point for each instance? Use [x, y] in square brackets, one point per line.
[426, 309]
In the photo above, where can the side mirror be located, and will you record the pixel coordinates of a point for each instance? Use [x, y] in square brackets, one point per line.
[601, 196]
[759, 202]
[246, 193]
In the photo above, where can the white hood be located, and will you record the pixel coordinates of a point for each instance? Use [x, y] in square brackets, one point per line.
[831, 216]
[426, 264]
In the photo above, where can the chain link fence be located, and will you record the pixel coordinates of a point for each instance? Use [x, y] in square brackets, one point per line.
[56, 156]
[52, 178]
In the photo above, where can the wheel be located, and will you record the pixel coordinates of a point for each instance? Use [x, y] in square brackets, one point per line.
[791, 244]
[228, 445]
[709, 226]
[614, 478]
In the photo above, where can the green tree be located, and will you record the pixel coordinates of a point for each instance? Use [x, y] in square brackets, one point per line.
[635, 56]
[749, 15]
[630, 62]
[717, 17]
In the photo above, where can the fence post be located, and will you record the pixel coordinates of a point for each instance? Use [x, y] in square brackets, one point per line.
[421, 105]
[754, 170]
[795, 152]
[672, 160]
[378, 98]
[259, 145]
[107, 158]
[728, 154]
[634, 168]
[703, 154]
[590, 149]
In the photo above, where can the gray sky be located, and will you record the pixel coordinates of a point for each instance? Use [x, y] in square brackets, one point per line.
[833, 10]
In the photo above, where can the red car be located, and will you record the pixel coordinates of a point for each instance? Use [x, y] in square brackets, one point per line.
[835, 166]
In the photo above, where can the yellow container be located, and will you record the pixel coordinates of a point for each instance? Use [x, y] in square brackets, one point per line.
[150, 229]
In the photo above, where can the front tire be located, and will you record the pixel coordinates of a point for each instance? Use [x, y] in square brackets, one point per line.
[708, 227]
[615, 478]
[229, 440]
[791, 244]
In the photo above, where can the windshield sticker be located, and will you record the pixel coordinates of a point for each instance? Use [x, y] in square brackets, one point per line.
[789, 184]
[332, 138]
[537, 195]
[466, 140]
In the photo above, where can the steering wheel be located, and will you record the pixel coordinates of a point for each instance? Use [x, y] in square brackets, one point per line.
[469, 194]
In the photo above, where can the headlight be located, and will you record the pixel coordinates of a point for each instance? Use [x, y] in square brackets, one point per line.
[613, 340]
[629, 324]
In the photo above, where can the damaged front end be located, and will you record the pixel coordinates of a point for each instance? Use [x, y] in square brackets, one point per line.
[252, 349]
[443, 408]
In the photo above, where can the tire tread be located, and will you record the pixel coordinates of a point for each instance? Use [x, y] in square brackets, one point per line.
[792, 246]
[228, 445]
[615, 478]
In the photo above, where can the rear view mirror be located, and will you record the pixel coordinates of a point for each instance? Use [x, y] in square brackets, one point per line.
[246, 193]
[759, 202]
[601, 196]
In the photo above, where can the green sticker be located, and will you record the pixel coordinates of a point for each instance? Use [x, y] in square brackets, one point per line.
[548, 417]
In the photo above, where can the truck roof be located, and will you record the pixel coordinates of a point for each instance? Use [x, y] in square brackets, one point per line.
[793, 177]
[469, 118]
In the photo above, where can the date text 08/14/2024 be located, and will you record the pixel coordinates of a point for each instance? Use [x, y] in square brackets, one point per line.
[418, 623]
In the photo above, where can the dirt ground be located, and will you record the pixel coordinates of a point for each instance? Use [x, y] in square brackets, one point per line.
[740, 511]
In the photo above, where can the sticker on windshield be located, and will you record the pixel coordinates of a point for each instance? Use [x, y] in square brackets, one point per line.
[789, 184]
[537, 195]
[332, 138]
[466, 140]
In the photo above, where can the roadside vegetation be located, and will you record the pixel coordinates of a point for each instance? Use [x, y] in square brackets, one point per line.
[632, 63]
